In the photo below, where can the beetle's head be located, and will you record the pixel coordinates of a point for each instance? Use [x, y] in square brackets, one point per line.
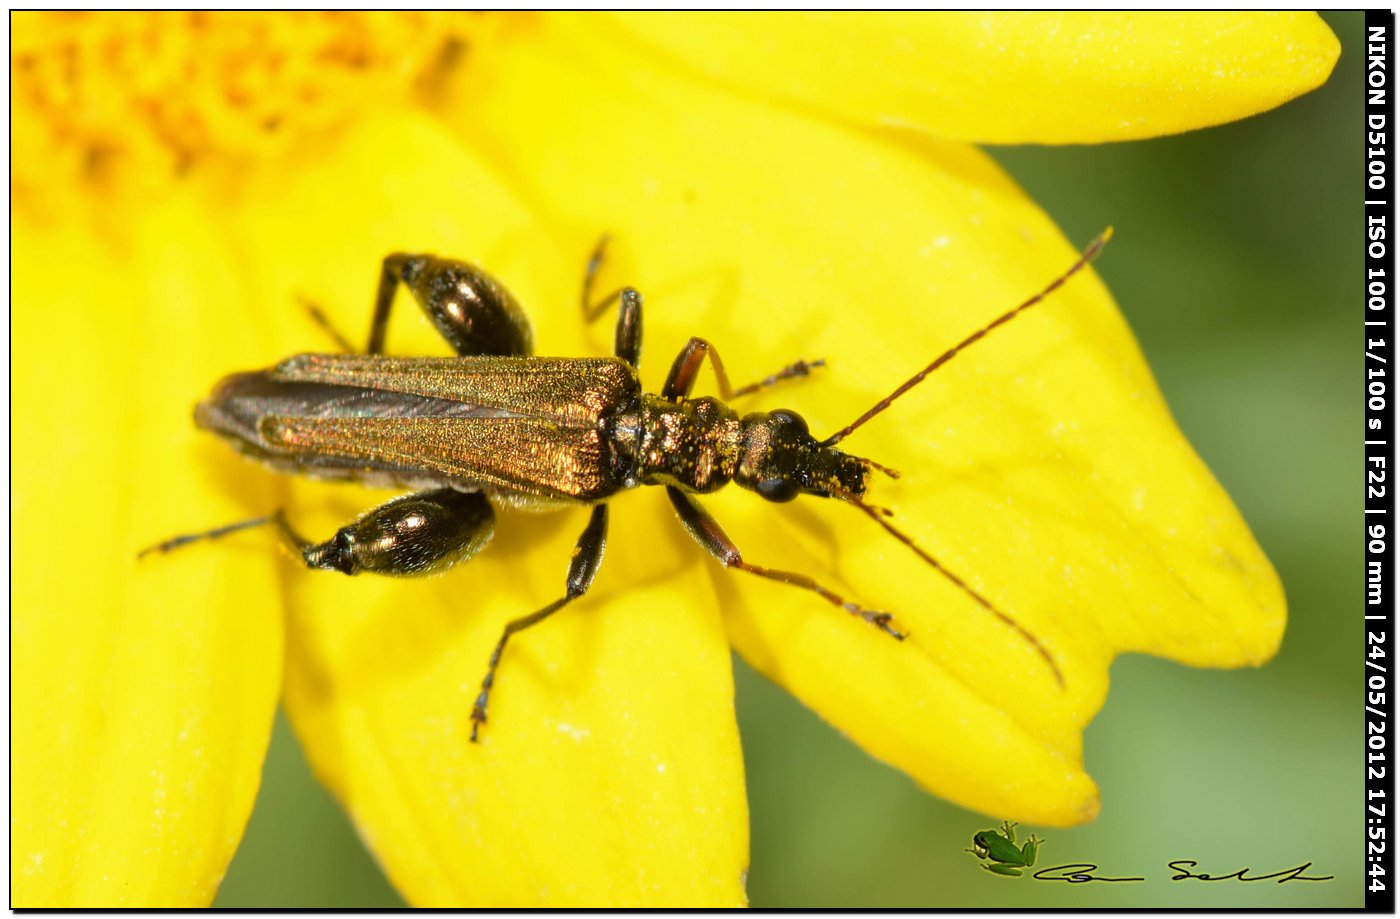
[780, 459]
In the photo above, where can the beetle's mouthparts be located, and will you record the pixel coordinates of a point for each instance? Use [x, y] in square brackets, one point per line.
[870, 463]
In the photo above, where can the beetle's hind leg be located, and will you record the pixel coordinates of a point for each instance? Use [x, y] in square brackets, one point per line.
[421, 533]
[175, 542]
[470, 309]
[587, 557]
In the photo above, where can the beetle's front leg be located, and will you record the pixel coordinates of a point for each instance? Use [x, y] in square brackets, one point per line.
[687, 367]
[708, 533]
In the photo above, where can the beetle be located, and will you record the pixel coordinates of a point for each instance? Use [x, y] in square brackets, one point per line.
[496, 425]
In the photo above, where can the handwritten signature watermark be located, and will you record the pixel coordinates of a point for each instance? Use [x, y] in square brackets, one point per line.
[1000, 854]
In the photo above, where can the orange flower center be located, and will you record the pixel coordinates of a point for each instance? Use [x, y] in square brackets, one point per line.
[112, 98]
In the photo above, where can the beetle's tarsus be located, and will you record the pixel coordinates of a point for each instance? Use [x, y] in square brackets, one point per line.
[882, 622]
[478, 719]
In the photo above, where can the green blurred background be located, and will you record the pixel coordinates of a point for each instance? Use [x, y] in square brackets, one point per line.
[1237, 262]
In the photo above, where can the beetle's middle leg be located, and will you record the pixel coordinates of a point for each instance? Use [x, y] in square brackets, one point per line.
[588, 556]
[627, 340]
[712, 538]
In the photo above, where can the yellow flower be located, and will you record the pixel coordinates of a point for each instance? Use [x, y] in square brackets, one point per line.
[181, 179]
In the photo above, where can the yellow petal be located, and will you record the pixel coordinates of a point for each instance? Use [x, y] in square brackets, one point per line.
[143, 692]
[1042, 466]
[1011, 78]
[610, 771]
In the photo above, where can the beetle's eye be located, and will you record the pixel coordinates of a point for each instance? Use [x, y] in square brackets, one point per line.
[790, 419]
[776, 489]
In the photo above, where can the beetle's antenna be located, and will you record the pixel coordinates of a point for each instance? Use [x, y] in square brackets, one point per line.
[874, 513]
[1088, 255]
